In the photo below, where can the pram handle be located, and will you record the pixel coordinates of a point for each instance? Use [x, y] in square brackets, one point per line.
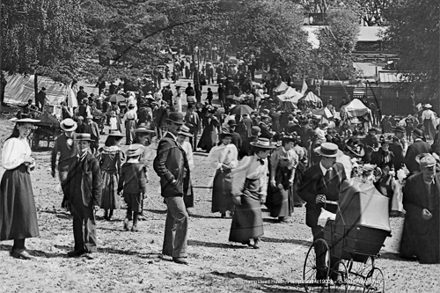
[332, 202]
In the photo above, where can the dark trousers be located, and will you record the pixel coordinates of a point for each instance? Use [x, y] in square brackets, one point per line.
[84, 228]
[176, 228]
[132, 215]
[320, 250]
[193, 140]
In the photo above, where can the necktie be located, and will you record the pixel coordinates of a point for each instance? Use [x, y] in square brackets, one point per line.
[261, 161]
[328, 176]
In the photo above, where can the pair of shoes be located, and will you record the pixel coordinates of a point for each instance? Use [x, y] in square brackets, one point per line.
[134, 228]
[126, 222]
[21, 254]
[180, 260]
[282, 219]
[248, 243]
[88, 255]
[75, 253]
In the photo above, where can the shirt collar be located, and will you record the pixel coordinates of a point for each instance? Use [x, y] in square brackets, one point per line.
[172, 135]
[324, 170]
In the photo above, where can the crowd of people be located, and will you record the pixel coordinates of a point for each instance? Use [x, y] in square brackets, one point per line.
[272, 155]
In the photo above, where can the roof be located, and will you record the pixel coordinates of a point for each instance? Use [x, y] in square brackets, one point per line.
[368, 69]
[371, 33]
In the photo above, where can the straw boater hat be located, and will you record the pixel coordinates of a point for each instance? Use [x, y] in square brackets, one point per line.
[142, 128]
[184, 130]
[82, 137]
[134, 150]
[428, 106]
[176, 118]
[328, 149]
[68, 124]
[116, 133]
[426, 160]
[263, 143]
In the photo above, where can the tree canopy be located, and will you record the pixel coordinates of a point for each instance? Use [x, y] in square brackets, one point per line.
[414, 34]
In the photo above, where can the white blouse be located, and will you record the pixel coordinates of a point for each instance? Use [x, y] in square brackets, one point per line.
[15, 151]
[224, 155]
[251, 168]
[186, 146]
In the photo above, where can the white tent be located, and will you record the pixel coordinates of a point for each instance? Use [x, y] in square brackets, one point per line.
[355, 109]
[281, 88]
[290, 96]
[20, 88]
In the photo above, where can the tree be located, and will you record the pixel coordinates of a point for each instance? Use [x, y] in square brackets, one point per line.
[414, 35]
[337, 41]
[41, 37]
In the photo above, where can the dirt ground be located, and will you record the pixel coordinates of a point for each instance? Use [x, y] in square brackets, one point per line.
[130, 262]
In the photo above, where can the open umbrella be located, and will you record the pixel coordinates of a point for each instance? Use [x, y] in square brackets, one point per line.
[241, 109]
[116, 98]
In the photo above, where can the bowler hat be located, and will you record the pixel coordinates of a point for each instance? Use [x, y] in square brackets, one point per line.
[83, 137]
[232, 123]
[176, 118]
[418, 132]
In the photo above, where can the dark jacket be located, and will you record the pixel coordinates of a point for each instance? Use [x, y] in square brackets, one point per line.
[66, 152]
[83, 185]
[421, 237]
[132, 179]
[171, 165]
[313, 184]
[418, 147]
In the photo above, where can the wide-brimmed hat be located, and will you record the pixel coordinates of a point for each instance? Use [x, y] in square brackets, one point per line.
[115, 133]
[68, 124]
[184, 130]
[176, 117]
[143, 128]
[225, 133]
[399, 129]
[82, 137]
[428, 106]
[418, 132]
[327, 149]
[426, 160]
[134, 150]
[263, 143]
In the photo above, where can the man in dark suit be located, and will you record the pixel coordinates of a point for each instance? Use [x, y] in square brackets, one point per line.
[246, 147]
[82, 194]
[321, 182]
[171, 166]
[420, 237]
[236, 137]
[418, 147]
[40, 99]
[397, 146]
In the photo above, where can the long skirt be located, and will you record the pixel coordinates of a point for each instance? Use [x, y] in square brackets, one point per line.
[247, 221]
[221, 192]
[133, 201]
[18, 215]
[429, 129]
[130, 125]
[280, 202]
[109, 197]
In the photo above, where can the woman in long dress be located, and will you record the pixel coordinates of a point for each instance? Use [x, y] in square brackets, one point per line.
[283, 163]
[18, 215]
[182, 138]
[224, 158]
[110, 158]
[249, 193]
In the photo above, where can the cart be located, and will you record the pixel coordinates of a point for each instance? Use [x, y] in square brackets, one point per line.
[47, 129]
[344, 259]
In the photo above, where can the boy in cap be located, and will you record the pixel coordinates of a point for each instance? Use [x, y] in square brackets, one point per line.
[82, 193]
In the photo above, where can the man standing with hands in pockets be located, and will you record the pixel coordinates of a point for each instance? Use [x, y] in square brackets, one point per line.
[171, 166]
[321, 182]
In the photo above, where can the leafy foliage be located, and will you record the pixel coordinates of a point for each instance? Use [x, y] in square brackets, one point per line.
[41, 37]
[414, 35]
